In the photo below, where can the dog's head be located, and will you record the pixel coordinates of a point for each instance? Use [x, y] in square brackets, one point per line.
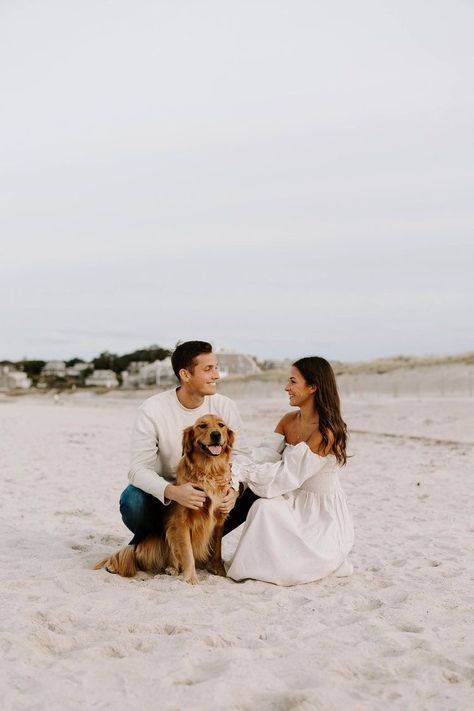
[210, 436]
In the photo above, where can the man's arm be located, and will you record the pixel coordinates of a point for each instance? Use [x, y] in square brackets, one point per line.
[145, 465]
[145, 461]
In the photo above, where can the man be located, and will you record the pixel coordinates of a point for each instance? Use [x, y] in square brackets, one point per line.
[156, 444]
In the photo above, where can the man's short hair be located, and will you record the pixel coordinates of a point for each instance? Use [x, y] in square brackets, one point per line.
[185, 355]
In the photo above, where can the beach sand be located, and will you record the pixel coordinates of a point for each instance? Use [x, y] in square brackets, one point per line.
[398, 634]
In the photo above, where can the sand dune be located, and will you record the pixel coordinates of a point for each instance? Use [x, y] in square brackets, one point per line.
[397, 634]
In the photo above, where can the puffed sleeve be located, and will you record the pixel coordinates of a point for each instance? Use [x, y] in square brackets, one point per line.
[270, 449]
[272, 479]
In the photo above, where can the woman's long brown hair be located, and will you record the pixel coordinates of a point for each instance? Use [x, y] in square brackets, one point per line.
[317, 371]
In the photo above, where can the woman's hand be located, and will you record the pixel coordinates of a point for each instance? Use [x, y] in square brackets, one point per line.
[225, 477]
[228, 502]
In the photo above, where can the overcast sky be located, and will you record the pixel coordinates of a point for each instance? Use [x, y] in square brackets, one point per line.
[283, 178]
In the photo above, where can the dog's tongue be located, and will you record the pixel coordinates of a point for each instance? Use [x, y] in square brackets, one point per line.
[215, 448]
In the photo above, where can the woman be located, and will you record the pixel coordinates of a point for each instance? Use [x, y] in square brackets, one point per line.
[301, 530]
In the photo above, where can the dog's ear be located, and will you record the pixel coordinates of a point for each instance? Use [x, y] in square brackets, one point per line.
[230, 439]
[188, 440]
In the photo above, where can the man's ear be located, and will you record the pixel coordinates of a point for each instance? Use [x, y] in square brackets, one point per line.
[188, 440]
[184, 375]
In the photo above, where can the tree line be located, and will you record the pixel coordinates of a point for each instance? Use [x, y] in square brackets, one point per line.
[104, 361]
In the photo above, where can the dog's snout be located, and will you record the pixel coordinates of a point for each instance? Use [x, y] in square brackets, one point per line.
[215, 437]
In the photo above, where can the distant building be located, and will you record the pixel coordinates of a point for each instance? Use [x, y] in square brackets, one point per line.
[54, 368]
[10, 378]
[161, 374]
[103, 379]
[75, 371]
[146, 375]
[277, 364]
[231, 363]
[130, 377]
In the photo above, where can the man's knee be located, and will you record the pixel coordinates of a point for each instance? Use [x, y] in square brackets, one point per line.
[141, 511]
[133, 507]
[132, 500]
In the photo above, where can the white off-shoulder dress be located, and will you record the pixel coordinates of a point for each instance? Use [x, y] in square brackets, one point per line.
[301, 529]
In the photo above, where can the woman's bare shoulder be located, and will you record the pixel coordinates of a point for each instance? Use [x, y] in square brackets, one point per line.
[284, 422]
[316, 445]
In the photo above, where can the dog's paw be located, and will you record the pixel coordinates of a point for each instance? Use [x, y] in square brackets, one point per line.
[170, 570]
[192, 579]
[110, 568]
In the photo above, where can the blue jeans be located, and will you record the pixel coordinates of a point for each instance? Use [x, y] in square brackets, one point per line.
[143, 513]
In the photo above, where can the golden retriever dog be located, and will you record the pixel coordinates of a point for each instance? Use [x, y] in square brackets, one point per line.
[192, 537]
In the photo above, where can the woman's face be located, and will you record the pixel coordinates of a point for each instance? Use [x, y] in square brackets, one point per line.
[299, 391]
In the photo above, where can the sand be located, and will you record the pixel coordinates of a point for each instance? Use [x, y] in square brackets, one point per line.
[397, 634]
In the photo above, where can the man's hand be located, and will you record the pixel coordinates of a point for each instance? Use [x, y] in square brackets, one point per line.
[186, 495]
[228, 502]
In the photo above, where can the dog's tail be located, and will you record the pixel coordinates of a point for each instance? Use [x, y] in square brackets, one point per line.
[100, 564]
[124, 562]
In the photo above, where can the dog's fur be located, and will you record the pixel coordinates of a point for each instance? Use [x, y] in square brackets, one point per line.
[192, 537]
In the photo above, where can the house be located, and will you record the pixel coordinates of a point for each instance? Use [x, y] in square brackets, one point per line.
[130, 377]
[75, 371]
[103, 379]
[231, 363]
[144, 375]
[164, 372]
[10, 378]
[54, 368]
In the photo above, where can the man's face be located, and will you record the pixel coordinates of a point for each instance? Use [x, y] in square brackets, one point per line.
[205, 375]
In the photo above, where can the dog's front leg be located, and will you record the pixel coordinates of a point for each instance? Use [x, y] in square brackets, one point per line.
[174, 566]
[189, 567]
[182, 551]
[215, 564]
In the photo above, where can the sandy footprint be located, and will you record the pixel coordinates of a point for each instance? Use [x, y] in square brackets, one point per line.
[128, 648]
[399, 563]
[367, 604]
[394, 598]
[205, 672]
[414, 629]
